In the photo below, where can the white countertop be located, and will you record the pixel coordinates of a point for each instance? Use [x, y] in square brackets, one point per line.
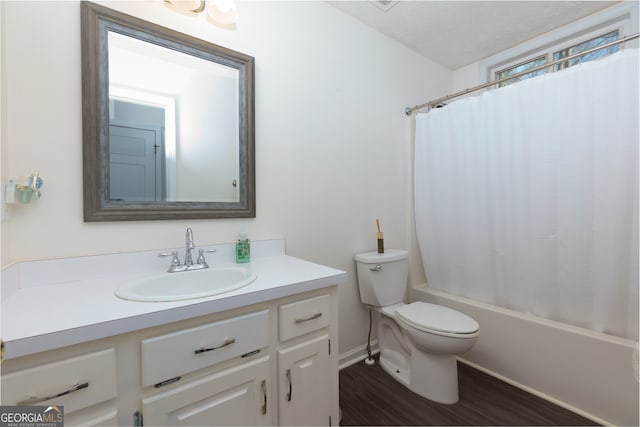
[47, 305]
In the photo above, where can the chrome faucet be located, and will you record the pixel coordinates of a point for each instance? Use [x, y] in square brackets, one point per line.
[176, 266]
[189, 246]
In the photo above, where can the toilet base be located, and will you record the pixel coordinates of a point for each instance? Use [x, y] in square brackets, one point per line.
[395, 370]
[395, 354]
[434, 376]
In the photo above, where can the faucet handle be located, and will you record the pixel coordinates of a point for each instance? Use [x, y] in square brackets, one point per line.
[201, 253]
[174, 261]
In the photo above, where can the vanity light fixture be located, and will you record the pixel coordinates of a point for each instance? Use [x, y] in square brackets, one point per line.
[221, 12]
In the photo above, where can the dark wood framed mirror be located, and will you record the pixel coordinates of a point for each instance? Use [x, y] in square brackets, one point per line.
[168, 123]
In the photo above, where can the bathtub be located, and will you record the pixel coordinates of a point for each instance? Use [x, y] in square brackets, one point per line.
[587, 372]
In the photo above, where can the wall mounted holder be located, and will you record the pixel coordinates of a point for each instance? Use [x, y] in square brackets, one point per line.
[23, 190]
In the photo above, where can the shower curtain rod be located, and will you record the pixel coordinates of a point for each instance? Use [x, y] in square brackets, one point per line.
[438, 102]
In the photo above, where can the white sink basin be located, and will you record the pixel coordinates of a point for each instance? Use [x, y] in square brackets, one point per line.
[186, 284]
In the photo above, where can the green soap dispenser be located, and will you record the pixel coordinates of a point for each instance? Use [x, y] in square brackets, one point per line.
[243, 249]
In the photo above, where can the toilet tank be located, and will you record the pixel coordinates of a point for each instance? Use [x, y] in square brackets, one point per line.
[382, 278]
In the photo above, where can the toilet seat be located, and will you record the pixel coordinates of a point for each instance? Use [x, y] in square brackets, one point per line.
[437, 319]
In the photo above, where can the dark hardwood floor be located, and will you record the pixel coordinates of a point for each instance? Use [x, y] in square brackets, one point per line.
[368, 396]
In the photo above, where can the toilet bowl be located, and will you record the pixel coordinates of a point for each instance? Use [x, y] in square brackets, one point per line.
[419, 341]
[434, 345]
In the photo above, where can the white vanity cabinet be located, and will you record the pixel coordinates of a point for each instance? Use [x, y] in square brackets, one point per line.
[267, 363]
[307, 370]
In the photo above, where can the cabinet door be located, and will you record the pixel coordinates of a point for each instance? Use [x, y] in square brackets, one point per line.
[235, 396]
[303, 386]
[93, 417]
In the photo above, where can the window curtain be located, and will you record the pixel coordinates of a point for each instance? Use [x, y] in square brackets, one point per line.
[526, 197]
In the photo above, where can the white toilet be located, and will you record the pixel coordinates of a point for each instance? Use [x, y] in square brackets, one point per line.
[419, 341]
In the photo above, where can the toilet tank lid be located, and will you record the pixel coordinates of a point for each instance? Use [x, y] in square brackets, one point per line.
[388, 256]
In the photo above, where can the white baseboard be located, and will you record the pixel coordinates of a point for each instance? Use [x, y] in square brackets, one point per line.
[356, 355]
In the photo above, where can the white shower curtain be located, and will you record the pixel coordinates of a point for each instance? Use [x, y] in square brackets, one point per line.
[526, 196]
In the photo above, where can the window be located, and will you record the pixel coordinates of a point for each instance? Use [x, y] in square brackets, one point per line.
[507, 72]
[610, 24]
[589, 44]
[554, 54]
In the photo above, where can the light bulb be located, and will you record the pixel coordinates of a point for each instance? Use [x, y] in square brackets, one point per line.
[223, 12]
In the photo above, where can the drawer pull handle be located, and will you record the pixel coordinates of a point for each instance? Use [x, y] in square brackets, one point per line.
[306, 319]
[263, 385]
[32, 400]
[290, 390]
[224, 344]
[167, 382]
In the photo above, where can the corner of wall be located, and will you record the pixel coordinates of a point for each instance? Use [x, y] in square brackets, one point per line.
[4, 149]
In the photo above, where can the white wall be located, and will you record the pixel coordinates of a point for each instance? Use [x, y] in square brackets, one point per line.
[332, 140]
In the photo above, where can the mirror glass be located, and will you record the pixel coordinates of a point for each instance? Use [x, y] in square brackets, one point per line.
[168, 123]
[173, 125]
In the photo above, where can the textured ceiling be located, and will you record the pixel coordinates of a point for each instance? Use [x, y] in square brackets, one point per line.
[458, 33]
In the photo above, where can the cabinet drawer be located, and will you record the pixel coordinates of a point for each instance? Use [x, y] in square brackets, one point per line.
[169, 356]
[75, 383]
[301, 317]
